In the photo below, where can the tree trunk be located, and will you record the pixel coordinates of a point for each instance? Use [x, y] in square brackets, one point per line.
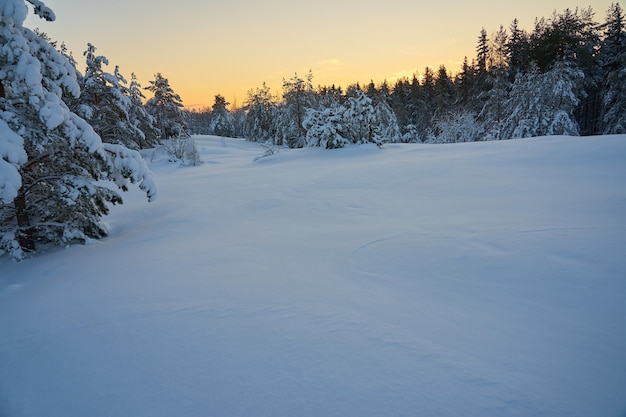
[25, 234]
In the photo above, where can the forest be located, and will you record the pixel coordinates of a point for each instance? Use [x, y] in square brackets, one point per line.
[565, 77]
[69, 129]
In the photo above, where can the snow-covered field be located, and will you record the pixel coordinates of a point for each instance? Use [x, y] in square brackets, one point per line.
[480, 279]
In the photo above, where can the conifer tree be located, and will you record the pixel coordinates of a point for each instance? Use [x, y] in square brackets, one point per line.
[482, 53]
[542, 104]
[360, 124]
[148, 133]
[517, 48]
[325, 127]
[298, 97]
[498, 54]
[166, 107]
[443, 91]
[260, 108]
[388, 122]
[423, 101]
[399, 103]
[106, 103]
[222, 121]
[464, 83]
[613, 61]
[51, 160]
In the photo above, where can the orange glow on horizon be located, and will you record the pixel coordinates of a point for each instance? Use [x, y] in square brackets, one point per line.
[229, 48]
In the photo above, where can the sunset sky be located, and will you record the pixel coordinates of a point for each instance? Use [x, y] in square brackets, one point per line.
[228, 47]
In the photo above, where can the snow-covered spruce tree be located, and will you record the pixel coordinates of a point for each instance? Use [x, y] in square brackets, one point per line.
[541, 104]
[105, 103]
[51, 160]
[516, 48]
[491, 114]
[422, 101]
[389, 129]
[613, 61]
[383, 113]
[222, 121]
[239, 118]
[166, 107]
[324, 128]
[139, 116]
[360, 124]
[298, 97]
[260, 108]
[399, 104]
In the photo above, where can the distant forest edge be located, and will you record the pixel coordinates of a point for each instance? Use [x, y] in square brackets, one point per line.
[567, 76]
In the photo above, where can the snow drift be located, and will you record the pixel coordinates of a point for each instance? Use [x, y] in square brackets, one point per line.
[476, 279]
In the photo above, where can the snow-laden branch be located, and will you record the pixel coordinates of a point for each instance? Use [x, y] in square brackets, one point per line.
[42, 10]
[12, 155]
[129, 166]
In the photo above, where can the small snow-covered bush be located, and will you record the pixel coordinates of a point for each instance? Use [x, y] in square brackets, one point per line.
[181, 149]
[458, 127]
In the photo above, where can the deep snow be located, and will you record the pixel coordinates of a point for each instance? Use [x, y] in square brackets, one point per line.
[481, 279]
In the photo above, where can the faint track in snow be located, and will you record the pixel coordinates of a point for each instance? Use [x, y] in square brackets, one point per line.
[9, 289]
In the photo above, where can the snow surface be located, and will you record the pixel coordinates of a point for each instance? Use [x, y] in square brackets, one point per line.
[478, 279]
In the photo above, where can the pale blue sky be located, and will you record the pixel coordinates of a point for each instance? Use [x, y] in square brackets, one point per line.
[232, 46]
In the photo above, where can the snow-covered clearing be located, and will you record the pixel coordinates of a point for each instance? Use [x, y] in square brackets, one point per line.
[479, 279]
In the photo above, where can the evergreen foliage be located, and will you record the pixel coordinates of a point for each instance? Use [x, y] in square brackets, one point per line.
[298, 96]
[53, 162]
[222, 121]
[260, 107]
[613, 62]
[166, 107]
[143, 122]
[565, 76]
[112, 109]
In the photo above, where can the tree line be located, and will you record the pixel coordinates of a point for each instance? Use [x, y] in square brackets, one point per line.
[564, 77]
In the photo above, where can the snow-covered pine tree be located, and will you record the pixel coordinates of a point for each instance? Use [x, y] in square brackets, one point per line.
[493, 100]
[464, 85]
[422, 102]
[443, 89]
[399, 98]
[516, 48]
[222, 121]
[260, 108]
[324, 127]
[139, 117]
[383, 113]
[482, 53]
[389, 129]
[166, 107]
[105, 103]
[298, 97]
[542, 104]
[51, 160]
[359, 119]
[613, 61]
